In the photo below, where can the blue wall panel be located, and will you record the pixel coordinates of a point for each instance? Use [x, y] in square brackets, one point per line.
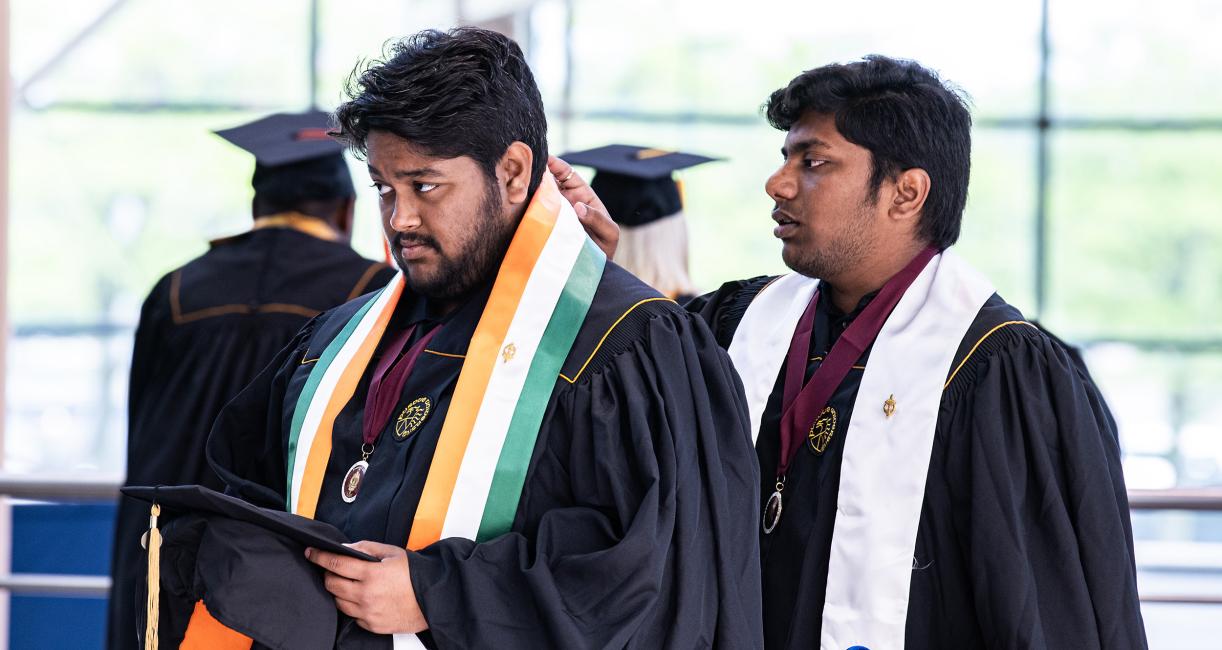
[60, 538]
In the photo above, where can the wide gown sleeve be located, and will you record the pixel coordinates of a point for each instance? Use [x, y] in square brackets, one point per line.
[150, 332]
[1050, 548]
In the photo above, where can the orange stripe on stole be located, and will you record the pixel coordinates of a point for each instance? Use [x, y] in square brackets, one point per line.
[482, 354]
[207, 633]
[320, 449]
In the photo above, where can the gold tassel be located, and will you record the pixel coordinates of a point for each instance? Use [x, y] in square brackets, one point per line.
[154, 580]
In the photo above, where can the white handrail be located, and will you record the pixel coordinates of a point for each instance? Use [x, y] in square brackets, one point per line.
[56, 585]
[59, 487]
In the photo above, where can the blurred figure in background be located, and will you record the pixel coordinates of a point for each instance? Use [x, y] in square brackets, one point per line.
[210, 326]
[636, 185]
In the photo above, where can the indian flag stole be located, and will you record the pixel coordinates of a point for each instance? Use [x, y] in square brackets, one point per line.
[539, 300]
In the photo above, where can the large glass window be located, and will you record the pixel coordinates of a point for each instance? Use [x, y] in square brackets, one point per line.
[116, 179]
[1135, 234]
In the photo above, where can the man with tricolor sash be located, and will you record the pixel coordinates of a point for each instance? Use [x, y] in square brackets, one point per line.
[936, 472]
[541, 450]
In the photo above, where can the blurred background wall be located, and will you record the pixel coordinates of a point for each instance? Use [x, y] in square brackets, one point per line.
[1095, 203]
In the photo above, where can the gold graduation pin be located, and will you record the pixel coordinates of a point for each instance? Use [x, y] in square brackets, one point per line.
[889, 406]
[508, 353]
[822, 431]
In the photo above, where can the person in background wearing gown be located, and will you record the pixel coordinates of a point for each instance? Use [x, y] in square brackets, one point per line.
[936, 471]
[209, 326]
[542, 451]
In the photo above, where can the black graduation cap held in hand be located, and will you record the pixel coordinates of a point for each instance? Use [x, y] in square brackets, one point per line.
[295, 159]
[204, 501]
[245, 562]
[635, 182]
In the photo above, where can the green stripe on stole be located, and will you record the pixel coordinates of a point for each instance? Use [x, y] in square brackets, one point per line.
[574, 302]
[311, 386]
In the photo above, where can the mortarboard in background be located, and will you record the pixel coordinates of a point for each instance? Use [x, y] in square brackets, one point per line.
[635, 182]
[295, 159]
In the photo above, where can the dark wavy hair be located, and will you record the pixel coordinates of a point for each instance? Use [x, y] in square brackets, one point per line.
[465, 92]
[905, 115]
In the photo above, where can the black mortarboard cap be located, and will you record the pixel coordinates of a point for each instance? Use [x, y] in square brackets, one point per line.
[295, 159]
[246, 563]
[635, 182]
[637, 162]
[201, 500]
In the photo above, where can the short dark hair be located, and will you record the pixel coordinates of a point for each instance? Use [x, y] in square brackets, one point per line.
[465, 92]
[905, 115]
[324, 209]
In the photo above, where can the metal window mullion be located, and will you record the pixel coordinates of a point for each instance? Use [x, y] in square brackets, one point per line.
[1043, 124]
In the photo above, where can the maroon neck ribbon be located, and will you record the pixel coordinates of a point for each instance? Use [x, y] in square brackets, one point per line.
[801, 405]
[388, 379]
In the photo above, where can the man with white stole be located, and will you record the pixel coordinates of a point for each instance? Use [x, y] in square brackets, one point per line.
[541, 450]
[936, 471]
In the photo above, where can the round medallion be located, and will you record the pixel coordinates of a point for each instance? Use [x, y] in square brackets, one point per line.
[352, 481]
[772, 512]
[822, 431]
[413, 415]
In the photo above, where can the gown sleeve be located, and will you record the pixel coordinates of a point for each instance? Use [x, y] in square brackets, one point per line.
[246, 445]
[638, 526]
[150, 332]
[722, 309]
[1050, 546]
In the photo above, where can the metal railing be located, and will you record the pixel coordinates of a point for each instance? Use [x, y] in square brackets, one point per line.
[57, 487]
[1195, 499]
[1186, 499]
[63, 487]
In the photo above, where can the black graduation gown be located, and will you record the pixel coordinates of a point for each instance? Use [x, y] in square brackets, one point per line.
[636, 525]
[1024, 538]
[205, 330]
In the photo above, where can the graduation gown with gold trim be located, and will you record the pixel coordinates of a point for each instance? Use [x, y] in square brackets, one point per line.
[1024, 538]
[636, 524]
[205, 331]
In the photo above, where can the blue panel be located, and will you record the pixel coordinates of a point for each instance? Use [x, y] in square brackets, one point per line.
[60, 538]
[67, 538]
[41, 622]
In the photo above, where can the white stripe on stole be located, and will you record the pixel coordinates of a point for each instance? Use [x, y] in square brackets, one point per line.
[761, 341]
[407, 642]
[314, 413]
[542, 292]
[886, 459]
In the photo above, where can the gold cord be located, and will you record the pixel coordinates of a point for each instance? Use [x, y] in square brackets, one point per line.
[154, 581]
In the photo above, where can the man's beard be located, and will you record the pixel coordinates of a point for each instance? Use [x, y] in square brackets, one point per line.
[457, 274]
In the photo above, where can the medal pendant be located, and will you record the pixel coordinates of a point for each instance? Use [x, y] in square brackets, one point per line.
[772, 512]
[352, 481]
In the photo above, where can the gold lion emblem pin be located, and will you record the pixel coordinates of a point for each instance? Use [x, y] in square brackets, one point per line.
[822, 431]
